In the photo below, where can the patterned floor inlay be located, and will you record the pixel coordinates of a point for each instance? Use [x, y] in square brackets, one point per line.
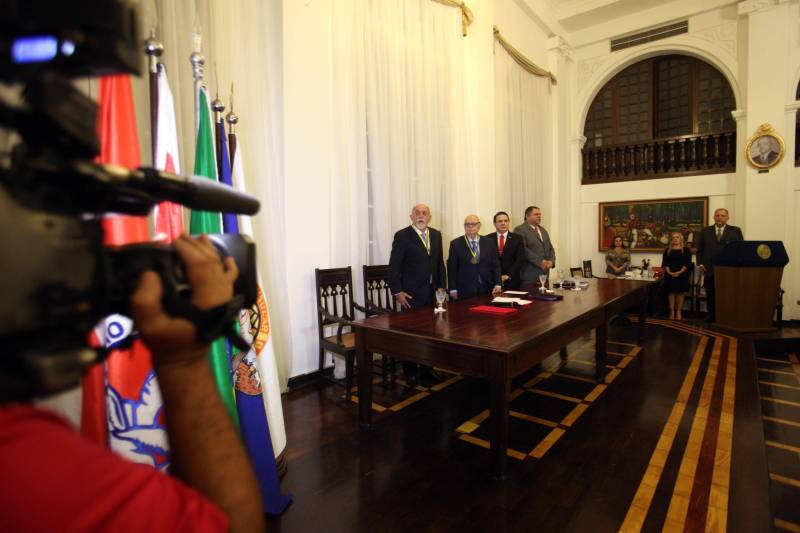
[698, 493]
[779, 386]
[548, 404]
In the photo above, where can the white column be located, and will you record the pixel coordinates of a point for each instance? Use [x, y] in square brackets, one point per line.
[737, 211]
[767, 70]
[576, 240]
[564, 180]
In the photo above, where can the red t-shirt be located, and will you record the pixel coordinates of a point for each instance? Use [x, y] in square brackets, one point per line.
[52, 479]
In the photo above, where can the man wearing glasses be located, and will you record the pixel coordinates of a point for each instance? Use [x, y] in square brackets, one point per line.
[472, 263]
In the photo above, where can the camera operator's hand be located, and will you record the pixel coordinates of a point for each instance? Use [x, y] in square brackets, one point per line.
[174, 339]
[206, 450]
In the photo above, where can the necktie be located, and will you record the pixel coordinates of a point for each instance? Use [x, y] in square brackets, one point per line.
[425, 240]
[502, 244]
[540, 233]
[474, 245]
[719, 234]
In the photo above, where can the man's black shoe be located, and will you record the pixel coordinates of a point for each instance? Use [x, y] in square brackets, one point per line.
[709, 319]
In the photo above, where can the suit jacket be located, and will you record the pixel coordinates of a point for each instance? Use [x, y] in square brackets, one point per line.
[466, 278]
[536, 250]
[513, 257]
[412, 269]
[766, 159]
[708, 247]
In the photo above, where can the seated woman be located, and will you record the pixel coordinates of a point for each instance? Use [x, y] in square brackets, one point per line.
[618, 259]
[676, 262]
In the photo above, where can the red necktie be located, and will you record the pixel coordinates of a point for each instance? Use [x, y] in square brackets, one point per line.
[502, 243]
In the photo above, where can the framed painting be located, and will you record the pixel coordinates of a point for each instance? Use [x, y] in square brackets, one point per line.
[645, 225]
[765, 148]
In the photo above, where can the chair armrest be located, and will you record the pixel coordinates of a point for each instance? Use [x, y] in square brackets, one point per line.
[361, 307]
[339, 320]
[376, 310]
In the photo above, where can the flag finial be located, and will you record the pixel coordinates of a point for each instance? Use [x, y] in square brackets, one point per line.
[153, 48]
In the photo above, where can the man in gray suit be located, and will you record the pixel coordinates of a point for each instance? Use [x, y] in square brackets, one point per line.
[539, 253]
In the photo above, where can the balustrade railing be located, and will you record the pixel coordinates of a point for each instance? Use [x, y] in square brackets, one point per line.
[687, 155]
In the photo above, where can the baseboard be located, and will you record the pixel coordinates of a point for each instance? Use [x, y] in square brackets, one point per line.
[304, 380]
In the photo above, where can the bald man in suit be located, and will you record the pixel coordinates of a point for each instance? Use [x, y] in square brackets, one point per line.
[416, 270]
[472, 264]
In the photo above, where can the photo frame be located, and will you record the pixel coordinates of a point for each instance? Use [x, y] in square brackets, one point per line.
[645, 225]
[765, 148]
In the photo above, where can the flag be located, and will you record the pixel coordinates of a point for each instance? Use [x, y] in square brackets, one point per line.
[168, 216]
[250, 400]
[205, 164]
[134, 411]
[257, 319]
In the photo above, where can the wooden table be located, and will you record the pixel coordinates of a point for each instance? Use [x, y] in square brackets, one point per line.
[496, 348]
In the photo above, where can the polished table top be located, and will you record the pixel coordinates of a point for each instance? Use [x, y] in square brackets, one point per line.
[504, 333]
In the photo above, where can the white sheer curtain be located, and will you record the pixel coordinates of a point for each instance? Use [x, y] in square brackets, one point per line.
[241, 42]
[400, 89]
[523, 140]
[349, 228]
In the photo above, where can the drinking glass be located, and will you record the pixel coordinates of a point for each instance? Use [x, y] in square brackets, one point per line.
[542, 282]
[441, 295]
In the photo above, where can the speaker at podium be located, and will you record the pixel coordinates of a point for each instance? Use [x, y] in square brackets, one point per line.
[748, 277]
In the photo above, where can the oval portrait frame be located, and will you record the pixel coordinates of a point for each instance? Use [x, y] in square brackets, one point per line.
[768, 152]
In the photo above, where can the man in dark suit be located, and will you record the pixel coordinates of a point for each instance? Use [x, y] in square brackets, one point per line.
[416, 270]
[709, 243]
[472, 264]
[510, 251]
[539, 252]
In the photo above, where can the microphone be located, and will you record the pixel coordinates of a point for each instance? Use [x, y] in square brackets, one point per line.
[195, 192]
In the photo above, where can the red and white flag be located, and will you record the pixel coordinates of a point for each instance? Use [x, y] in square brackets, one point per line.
[168, 216]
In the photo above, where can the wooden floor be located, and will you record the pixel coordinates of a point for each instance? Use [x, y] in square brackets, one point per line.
[674, 440]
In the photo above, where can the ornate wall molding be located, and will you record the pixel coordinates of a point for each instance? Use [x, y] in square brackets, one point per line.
[558, 44]
[723, 36]
[747, 7]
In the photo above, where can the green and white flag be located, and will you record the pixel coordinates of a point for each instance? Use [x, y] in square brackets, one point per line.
[205, 164]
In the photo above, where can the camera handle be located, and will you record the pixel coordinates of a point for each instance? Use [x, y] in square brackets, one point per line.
[211, 323]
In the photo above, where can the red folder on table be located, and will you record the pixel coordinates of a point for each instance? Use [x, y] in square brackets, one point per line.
[491, 310]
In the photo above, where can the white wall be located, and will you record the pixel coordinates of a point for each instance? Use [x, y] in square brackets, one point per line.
[307, 142]
[757, 46]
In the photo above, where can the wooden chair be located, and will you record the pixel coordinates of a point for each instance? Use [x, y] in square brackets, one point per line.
[377, 294]
[696, 291]
[587, 268]
[336, 308]
[379, 300]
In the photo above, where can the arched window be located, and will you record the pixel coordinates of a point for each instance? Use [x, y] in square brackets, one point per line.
[661, 117]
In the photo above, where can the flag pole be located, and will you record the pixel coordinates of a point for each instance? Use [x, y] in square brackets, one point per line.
[153, 49]
[198, 65]
[218, 107]
[233, 119]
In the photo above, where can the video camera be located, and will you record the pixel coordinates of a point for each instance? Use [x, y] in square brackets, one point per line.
[57, 279]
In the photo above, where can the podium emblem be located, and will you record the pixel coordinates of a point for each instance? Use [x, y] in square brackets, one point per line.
[764, 251]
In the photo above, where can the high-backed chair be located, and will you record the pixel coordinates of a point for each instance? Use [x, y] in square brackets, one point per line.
[336, 308]
[587, 268]
[378, 299]
[377, 294]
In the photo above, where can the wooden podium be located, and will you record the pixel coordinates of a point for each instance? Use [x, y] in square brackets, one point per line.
[748, 277]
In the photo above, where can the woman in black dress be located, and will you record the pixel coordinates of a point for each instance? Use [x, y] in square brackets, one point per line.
[676, 262]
